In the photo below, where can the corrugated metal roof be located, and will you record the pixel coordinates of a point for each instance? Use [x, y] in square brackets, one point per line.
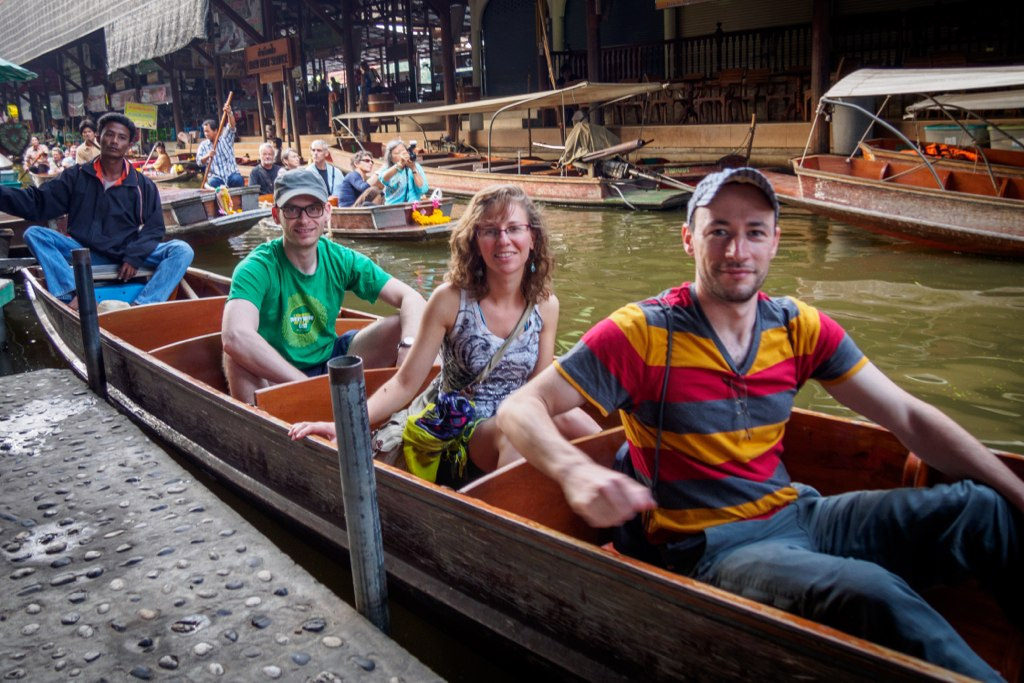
[141, 29]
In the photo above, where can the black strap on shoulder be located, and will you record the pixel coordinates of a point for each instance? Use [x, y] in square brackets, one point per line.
[667, 310]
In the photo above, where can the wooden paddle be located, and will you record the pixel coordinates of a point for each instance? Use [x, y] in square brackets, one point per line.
[216, 139]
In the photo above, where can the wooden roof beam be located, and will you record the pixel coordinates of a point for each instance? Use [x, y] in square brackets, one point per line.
[231, 14]
[315, 7]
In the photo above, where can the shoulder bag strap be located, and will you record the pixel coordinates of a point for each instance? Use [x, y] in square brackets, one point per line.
[496, 358]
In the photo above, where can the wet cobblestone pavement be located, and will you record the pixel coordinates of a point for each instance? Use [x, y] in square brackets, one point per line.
[117, 564]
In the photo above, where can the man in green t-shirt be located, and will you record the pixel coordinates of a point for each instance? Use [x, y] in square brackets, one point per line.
[285, 295]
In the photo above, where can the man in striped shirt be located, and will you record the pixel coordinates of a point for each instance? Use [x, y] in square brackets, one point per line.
[223, 167]
[705, 375]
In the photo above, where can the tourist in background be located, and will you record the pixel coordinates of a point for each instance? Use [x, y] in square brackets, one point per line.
[402, 178]
[223, 167]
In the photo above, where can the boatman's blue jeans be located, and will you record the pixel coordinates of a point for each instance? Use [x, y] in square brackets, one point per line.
[53, 251]
[856, 561]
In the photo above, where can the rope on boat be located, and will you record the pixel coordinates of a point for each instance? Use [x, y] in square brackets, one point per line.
[616, 188]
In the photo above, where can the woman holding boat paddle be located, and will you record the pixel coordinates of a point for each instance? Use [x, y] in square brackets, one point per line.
[493, 321]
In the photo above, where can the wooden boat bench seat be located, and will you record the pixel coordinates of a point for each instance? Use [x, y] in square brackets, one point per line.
[199, 357]
[178, 320]
[310, 399]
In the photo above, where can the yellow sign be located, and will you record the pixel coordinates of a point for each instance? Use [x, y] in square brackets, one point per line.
[142, 115]
[12, 111]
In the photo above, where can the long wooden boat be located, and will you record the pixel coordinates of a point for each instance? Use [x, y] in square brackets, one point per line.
[464, 175]
[967, 214]
[392, 222]
[1001, 162]
[916, 199]
[506, 551]
[194, 215]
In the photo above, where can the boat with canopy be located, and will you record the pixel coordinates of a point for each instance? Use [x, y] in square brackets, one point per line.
[971, 211]
[464, 174]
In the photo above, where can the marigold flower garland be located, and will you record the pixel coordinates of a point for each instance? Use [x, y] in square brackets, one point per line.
[435, 217]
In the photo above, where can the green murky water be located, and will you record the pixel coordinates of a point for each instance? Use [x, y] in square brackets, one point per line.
[947, 327]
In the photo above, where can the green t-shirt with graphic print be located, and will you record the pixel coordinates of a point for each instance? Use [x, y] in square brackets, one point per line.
[297, 311]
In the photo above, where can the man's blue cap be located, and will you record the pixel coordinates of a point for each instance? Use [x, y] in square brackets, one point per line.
[706, 190]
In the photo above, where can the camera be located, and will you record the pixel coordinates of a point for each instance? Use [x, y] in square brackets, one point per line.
[412, 150]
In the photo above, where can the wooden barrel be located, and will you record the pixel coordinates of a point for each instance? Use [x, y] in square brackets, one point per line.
[470, 93]
[381, 101]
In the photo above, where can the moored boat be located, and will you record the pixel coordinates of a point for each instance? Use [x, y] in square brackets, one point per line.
[464, 175]
[1001, 162]
[966, 214]
[915, 199]
[391, 222]
[506, 551]
[195, 215]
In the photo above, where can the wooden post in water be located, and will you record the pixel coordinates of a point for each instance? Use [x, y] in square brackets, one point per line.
[82, 265]
[359, 489]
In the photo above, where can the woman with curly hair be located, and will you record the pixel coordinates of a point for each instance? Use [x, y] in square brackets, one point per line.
[500, 266]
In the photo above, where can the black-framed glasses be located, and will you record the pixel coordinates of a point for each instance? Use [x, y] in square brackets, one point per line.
[488, 232]
[312, 210]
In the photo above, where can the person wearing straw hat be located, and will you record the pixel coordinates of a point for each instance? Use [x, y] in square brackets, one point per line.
[706, 374]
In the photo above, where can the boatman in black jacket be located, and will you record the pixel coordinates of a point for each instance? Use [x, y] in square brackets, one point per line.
[112, 209]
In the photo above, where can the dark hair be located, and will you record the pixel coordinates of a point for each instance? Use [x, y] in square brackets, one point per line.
[86, 123]
[115, 117]
[160, 145]
[211, 123]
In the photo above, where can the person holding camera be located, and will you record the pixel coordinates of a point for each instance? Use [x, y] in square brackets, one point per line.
[403, 179]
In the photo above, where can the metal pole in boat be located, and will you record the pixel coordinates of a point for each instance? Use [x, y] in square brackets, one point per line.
[359, 488]
[82, 265]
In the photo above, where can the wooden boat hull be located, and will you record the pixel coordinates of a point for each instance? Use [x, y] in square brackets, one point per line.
[194, 215]
[1001, 161]
[533, 581]
[950, 220]
[392, 222]
[455, 176]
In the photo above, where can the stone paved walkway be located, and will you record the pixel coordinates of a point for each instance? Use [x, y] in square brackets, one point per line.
[117, 564]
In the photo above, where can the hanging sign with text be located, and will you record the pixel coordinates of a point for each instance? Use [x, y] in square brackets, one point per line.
[269, 57]
[142, 115]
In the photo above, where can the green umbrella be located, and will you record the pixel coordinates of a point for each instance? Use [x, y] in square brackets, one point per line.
[10, 72]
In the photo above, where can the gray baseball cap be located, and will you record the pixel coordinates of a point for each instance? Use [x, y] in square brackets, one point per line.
[706, 190]
[298, 182]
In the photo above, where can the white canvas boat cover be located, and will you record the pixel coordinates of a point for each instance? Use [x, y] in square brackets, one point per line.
[580, 93]
[910, 81]
[975, 101]
[135, 29]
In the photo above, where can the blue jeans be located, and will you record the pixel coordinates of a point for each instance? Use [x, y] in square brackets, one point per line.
[856, 561]
[341, 345]
[234, 180]
[53, 251]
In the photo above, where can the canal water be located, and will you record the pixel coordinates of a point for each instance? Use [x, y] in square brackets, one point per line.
[948, 328]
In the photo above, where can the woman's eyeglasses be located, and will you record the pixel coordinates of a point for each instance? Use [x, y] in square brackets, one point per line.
[312, 210]
[491, 233]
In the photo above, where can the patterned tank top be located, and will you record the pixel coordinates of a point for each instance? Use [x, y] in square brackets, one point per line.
[468, 347]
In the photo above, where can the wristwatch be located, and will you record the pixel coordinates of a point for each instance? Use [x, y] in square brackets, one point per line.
[406, 342]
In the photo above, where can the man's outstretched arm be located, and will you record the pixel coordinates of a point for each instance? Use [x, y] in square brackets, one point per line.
[603, 497]
[926, 431]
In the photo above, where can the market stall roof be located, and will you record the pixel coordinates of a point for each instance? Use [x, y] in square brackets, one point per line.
[12, 73]
[135, 29]
[868, 82]
[975, 101]
[580, 93]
